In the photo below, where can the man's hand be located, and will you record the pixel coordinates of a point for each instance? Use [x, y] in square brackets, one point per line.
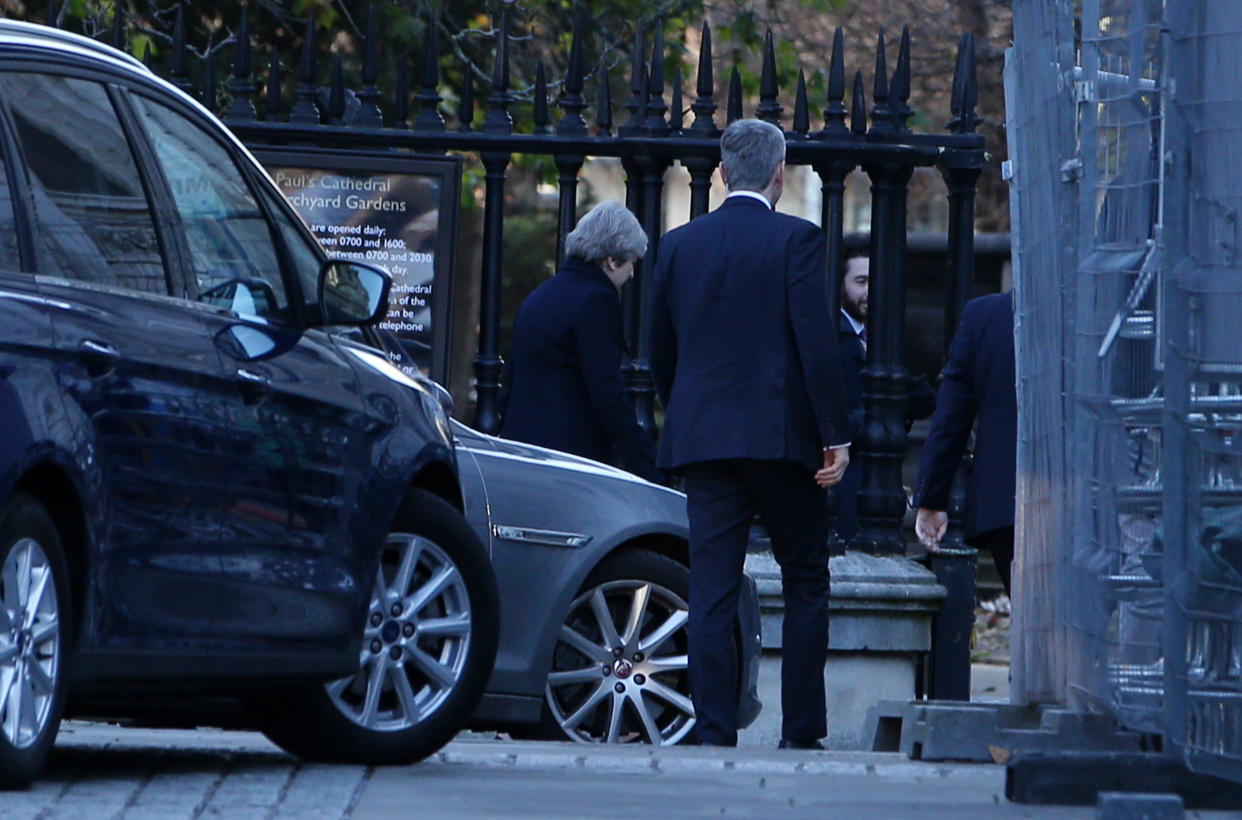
[835, 462]
[929, 526]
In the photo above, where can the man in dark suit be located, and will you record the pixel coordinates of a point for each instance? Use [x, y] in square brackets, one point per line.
[852, 341]
[979, 385]
[747, 368]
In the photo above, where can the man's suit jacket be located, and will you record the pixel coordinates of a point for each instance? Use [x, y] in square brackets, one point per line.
[978, 384]
[853, 360]
[743, 349]
[565, 376]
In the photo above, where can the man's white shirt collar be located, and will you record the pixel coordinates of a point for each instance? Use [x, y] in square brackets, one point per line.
[752, 195]
[854, 323]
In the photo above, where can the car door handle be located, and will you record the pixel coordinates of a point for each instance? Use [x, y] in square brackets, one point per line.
[254, 387]
[100, 357]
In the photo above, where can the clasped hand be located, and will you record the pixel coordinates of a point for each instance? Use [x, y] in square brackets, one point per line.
[930, 526]
[835, 462]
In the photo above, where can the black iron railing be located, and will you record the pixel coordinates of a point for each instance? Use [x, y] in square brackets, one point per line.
[652, 138]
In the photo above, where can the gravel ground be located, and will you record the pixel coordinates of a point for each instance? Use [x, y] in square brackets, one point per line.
[991, 639]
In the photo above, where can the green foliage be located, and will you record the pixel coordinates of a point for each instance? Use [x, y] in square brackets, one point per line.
[529, 251]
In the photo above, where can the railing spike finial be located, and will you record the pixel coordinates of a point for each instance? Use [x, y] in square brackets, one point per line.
[734, 108]
[965, 89]
[638, 84]
[500, 78]
[336, 93]
[242, 61]
[241, 109]
[769, 109]
[971, 97]
[879, 110]
[834, 114]
[177, 67]
[118, 26]
[656, 122]
[275, 103]
[306, 109]
[370, 62]
[603, 111]
[49, 16]
[676, 112]
[858, 106]
[802, 112]
[899, 89]
[959, 84]
[541, 99]
[146, 54]
[401, 105]
[429, 99]
[655, 77]
[498, 119]
[465, 107]
[369, 114]
[572, 102]
[704, 105]
[210, 93]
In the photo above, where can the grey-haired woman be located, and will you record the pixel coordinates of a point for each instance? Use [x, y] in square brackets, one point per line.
[565, 390]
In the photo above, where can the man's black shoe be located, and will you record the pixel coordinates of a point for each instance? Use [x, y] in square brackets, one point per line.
[800, 744]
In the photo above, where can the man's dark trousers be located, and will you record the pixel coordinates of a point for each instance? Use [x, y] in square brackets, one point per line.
[722, 498]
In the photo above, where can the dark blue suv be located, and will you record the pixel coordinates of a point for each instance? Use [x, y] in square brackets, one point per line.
[203, 494]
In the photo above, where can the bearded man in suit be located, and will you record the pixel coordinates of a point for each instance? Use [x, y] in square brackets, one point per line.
[746, 364]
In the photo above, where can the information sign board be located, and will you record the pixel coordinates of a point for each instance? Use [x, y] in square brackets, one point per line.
[396, 211]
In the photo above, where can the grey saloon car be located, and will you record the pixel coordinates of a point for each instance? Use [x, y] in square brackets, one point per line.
[592, 565]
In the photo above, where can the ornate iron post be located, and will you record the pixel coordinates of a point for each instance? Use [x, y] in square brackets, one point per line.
[832, 180]
[882, 442]
[488, 364]
[956, 563]
[637, 371]
[568, 165]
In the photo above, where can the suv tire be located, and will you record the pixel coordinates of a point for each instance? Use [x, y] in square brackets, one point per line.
[35, 619]
[427, 651]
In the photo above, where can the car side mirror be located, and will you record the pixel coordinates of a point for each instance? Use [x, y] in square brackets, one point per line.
[352, 293]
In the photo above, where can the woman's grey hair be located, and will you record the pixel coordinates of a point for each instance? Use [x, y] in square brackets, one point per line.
[750, 151]
[608, 229]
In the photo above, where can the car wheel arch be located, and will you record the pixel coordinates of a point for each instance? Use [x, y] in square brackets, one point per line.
[439, 479]
[54, 488]
[666, 544]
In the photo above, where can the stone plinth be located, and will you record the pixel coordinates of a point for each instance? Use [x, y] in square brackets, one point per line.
[880, 623]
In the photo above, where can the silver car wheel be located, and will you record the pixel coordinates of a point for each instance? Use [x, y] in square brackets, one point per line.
[620, 668]
[29, 643]
[416, 640]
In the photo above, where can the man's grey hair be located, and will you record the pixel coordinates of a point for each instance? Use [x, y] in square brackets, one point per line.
[608, 229]
[751, 151]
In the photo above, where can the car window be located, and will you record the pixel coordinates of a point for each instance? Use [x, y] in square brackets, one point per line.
[304, 252]
[10, 259]
[232, 254]
[93, 220]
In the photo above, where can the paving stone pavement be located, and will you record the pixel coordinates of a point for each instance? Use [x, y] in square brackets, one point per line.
[103, 771]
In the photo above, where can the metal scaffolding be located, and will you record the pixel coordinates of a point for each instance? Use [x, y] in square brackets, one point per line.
[1130, 521]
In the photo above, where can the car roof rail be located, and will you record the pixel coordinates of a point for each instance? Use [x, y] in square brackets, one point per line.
[36, 31]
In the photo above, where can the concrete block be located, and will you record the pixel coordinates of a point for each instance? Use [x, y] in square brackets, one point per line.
[1130, 806]
[855, 682]
[1073, 778]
